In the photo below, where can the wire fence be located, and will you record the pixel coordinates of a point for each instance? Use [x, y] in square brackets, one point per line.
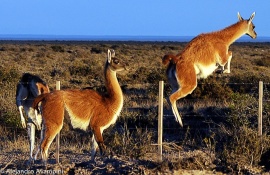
[140, 98]
[200, 116]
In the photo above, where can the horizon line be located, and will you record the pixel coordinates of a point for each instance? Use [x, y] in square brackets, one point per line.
[55, 37]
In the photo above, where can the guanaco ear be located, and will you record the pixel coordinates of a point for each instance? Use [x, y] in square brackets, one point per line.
[239, 17]
[113, 53]
[251, 17]
[109, 56]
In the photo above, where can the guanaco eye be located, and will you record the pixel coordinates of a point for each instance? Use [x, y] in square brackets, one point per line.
[116, 61]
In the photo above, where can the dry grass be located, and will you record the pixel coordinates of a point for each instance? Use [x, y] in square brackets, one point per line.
[220, 116]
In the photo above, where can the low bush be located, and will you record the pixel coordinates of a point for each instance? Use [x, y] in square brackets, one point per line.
[8, 74]
[57, 48]
[134, 143]
[265, 61]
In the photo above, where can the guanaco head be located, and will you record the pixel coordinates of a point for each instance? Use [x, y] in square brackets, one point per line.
[250, 26]
[114, 63]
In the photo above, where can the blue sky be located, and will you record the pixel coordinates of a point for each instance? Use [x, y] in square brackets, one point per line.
[128, 17]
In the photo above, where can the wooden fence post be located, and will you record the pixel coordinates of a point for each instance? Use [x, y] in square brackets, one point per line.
[160, 118]
[58, 135]
[260, 108]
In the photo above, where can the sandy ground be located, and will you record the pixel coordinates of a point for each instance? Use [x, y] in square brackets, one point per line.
[16, 163]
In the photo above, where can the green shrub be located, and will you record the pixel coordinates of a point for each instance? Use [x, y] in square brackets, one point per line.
[265, 61]
[8, 75]
[83, 70]
[243, 148]
[57, 49]
[134, 143]
[238, 143]
[243, 111]
[247, 83]
[95, 50]
[10, 119]
[212, 88]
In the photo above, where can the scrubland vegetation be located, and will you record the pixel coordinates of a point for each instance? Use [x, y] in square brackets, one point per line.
[220, 116]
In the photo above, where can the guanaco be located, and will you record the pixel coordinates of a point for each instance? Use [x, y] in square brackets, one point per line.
[86, 109]
[29, 87]
[201, 57]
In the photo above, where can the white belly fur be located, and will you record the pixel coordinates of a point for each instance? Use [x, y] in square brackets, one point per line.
[203, 71]
[76, 122]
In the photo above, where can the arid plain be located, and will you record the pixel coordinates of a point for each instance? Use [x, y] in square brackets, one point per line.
[220, 117]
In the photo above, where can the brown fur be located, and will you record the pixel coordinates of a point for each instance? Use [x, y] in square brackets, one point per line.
[87, 109]
[201, 57]
[169, 58]
[42, 88]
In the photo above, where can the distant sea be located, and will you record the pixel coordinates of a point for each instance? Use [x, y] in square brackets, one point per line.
[116, 38]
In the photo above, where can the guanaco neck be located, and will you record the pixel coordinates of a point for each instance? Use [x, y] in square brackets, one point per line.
[232, 33]
[115, 96]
